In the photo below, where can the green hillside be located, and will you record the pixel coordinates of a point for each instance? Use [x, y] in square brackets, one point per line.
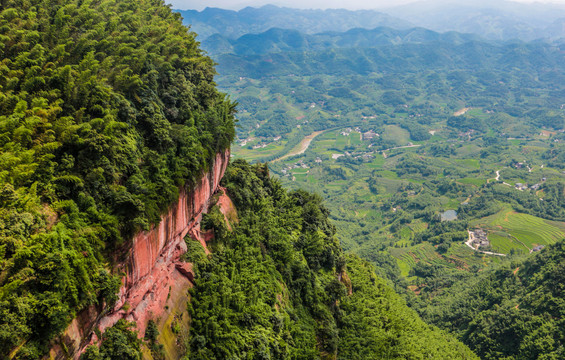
[279, 286]
[511, 312]
[106, 108]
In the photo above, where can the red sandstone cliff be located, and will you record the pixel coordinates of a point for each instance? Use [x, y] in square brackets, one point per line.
[152, 268]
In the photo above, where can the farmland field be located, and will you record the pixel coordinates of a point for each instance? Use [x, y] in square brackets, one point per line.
[526, 229]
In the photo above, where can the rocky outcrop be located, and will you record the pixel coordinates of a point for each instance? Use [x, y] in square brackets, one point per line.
[153, 268]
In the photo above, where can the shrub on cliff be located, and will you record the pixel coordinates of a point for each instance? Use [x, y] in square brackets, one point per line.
[106, 108]
[119, 342]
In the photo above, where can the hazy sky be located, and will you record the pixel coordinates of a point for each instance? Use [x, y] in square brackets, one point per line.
[316, 4]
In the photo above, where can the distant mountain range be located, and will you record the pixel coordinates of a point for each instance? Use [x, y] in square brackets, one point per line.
[233, 24]
[492, 19]
[495, 20]
[278, 40]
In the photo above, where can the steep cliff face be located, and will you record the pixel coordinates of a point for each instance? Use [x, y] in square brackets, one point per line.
[153, 268]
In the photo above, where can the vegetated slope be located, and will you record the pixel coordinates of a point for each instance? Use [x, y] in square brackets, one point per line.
[249, 20]
[513, 312]
[282, 40]
[470, 56]
[106, 109]
[279, 286]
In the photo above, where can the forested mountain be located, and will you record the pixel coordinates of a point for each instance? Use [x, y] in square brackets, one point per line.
[494, 20]
[512, 312]
[404, 58]
[280, 40]
[106, 109]
[250, 20]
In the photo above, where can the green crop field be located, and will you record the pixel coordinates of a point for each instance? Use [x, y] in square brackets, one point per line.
[396, 134]
[472, 181]
[503, 243]
[377, 163]
[255, 154]
[470, 163]
[355, 139]
[527, 229]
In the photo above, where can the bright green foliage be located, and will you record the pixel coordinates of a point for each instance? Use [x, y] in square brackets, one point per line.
[378, 325]
[277, 288]
[106, 108]
[151, 333]
[513, 312]
[119, 342]
[262, 294]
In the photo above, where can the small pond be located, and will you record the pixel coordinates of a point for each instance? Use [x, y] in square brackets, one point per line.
[449, 215]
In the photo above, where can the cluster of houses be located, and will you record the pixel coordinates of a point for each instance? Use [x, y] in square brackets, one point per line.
[538, 248]
[263, 144]
[467, 134]
[522, 187]
[348, 131]
[369, 135]
[355, 155]
[478, 238]
[287, 171]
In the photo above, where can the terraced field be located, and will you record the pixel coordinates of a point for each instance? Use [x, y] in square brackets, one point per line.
[509, 228]
[503, 243]
[408, 257]
[459, 256]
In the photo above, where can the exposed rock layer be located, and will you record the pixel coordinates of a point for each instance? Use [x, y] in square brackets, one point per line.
[152, 265]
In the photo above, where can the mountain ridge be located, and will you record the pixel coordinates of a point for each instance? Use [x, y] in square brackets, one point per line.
[492, 20]
[277, 40]
[233, 24]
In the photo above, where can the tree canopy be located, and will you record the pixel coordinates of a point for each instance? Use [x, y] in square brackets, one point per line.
[106, 109]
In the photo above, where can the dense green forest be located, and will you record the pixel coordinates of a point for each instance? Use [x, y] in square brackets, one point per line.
[279, 287]
[514, 311]
[106, 109]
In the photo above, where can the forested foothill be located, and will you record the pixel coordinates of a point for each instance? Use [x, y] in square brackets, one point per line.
[107, 108]
[513, 312]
